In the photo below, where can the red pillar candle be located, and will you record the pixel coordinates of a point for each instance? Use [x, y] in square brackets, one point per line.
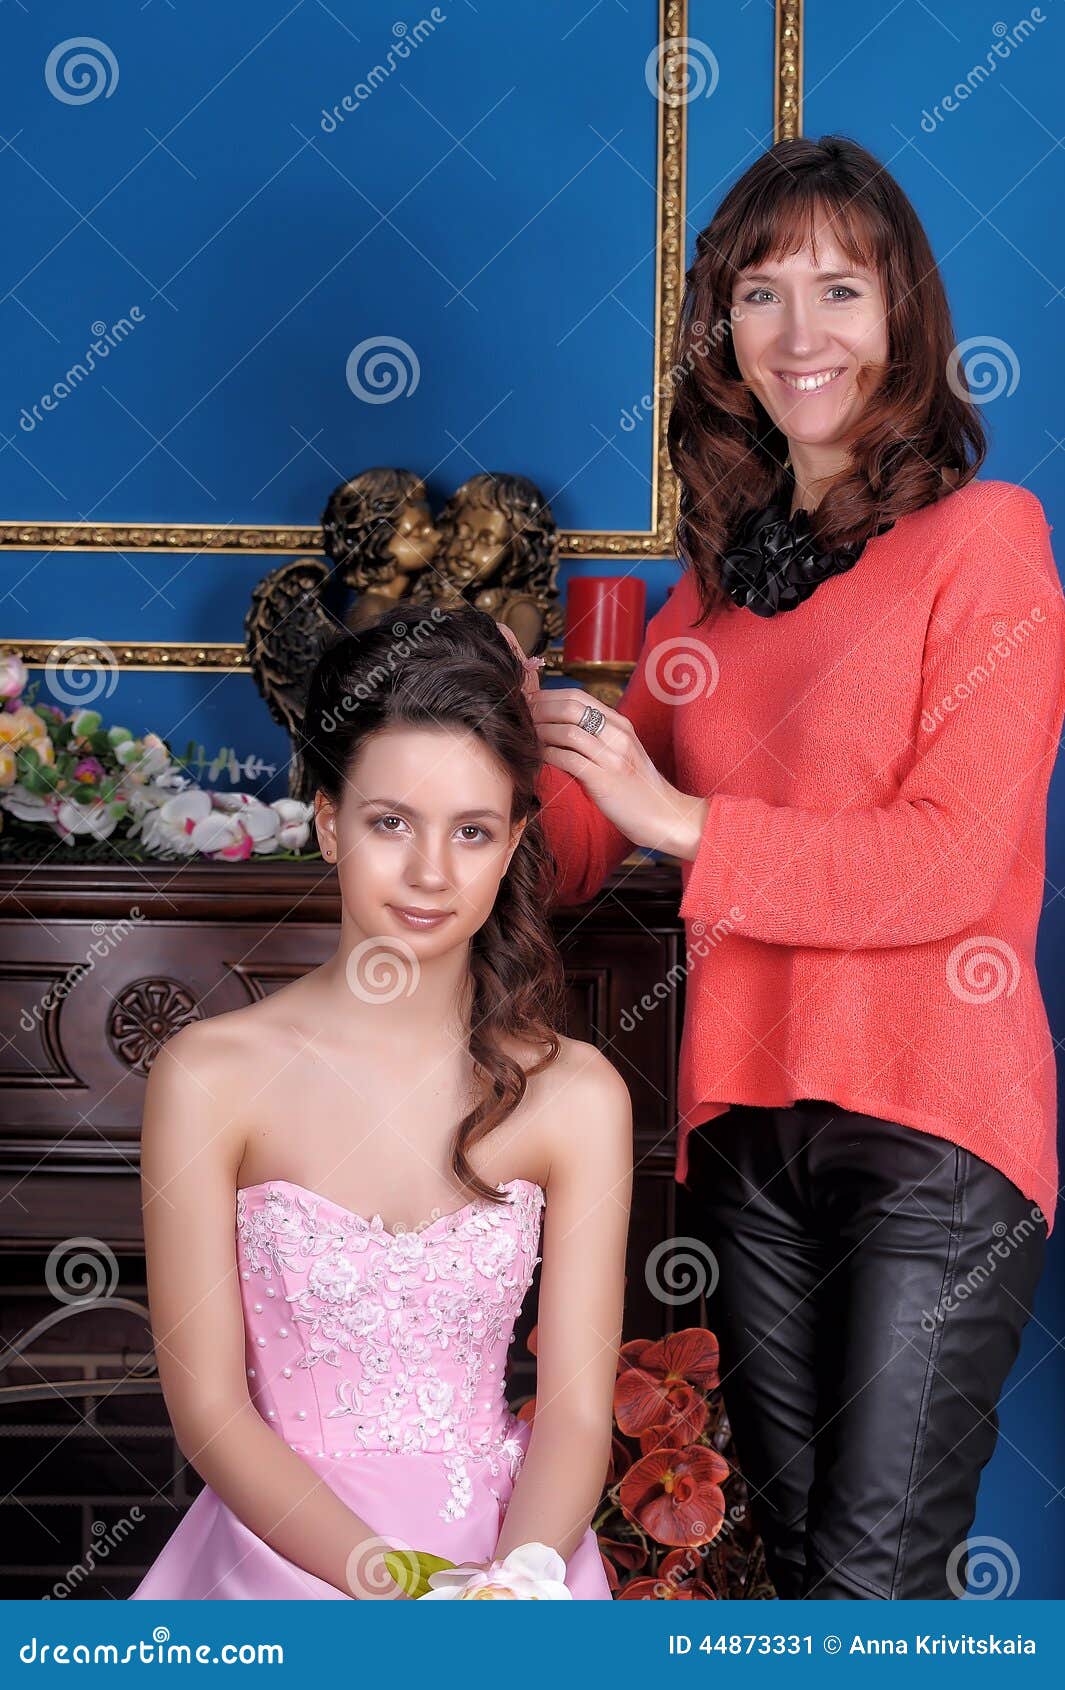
[604, 619]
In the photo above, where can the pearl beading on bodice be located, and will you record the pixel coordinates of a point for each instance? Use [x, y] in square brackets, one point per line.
[360, 1340]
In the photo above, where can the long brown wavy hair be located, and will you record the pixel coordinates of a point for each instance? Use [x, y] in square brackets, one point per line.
[454, 669]
[918, 436]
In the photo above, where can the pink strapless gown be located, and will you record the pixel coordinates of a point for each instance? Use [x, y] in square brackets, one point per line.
[380, 1357]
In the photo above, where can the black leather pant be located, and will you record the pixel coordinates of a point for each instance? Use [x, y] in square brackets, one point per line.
[874, 1281]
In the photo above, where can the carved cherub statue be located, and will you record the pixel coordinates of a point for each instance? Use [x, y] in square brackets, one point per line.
[495, 546]
[499, 551]
[379, 535]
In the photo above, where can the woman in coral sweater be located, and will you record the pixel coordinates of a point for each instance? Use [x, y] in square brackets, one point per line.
[843, 722]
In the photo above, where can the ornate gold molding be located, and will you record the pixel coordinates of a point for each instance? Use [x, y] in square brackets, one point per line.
[127, 654]
[787, 71]
[669, 288]
[623, 545]
[155, 537]
[156, 655]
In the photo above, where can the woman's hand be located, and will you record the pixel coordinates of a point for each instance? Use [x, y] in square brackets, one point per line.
[612, 766]
[617, 773]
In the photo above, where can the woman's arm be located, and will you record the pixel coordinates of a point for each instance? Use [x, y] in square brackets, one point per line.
[190, 1154]
[582, 1284]
[931, 862]
[588, 846]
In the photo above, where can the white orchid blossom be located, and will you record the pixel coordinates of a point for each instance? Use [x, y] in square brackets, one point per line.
[531, 1573]
[147, 793]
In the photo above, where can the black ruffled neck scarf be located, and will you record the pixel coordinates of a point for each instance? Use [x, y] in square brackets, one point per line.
[773, 564]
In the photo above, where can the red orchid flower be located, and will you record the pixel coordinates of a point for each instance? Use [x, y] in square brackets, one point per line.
[675, 1494]
[661, 1383]
[621, 1555]
[685, 1416]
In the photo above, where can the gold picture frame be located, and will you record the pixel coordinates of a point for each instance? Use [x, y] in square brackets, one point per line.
[617, 545]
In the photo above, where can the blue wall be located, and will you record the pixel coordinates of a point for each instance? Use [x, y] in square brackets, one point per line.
[491, 205]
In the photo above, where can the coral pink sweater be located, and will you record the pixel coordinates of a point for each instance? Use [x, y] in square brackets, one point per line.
[861, 914]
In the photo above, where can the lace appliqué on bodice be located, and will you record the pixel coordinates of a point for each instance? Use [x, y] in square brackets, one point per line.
[388, 1342]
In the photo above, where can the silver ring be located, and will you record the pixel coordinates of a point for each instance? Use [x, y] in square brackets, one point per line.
[593, 720]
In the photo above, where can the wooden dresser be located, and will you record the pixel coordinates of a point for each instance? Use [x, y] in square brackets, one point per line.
[98, 963]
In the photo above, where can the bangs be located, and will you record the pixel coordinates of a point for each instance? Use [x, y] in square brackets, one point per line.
[777, 230]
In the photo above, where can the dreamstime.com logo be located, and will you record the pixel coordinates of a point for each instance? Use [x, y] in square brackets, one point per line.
[679, 1270]
[1007, 1240]
[407, 38]
[81, 1270]
[107, 936]
[365, 1572]
[702, 944]
[107, 338]
[408, 636]
[680, 70]
[1006, 640]
[382, 368]
[688, 1562]
[1005, 43]
[990, 367]
[380, 970]
[699, 346]
[981, 968]
[42, 1651]
[104, 1539]
[80, 70]
[680, 670]
[80, 671]
[983, 1569]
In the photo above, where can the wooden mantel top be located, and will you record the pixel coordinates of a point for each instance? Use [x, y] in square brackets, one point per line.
[283, 890]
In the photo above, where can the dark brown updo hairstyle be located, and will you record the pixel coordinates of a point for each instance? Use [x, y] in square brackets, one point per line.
[918, 436]
[435, 668]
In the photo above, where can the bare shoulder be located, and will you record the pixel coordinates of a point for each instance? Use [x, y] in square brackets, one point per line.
[580, 1073]
[192, 1112]
[234, 1046]
[201, 1054]
[582, 1067]
[588, 1108]
[185, 1062]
